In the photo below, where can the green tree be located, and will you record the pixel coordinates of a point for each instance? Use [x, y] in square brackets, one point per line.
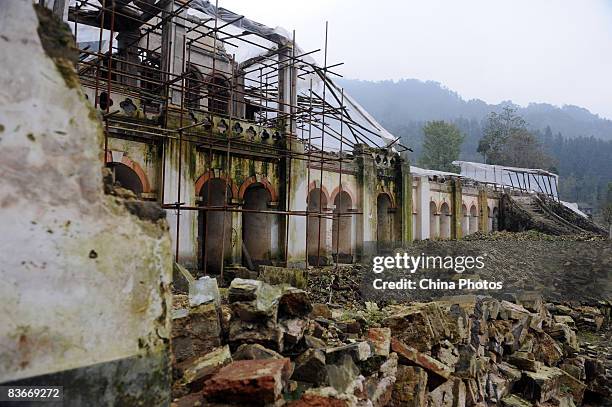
[507, 141]
[441, 146]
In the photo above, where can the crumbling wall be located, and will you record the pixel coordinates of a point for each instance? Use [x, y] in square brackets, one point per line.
[84, 284]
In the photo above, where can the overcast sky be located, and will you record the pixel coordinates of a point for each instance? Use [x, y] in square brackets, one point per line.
[554, 51]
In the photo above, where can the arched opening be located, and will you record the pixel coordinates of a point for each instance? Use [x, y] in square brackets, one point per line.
[445, 221]
[465, 221]
[256, 227]
[125, 177]
[384, 228]
[473, 219]
[495, 219]
[434, 220]
[218, 96]
[342, 228]
[151, 83]
[214, 226]
[317, 228]
[489, 219]
[193, 86]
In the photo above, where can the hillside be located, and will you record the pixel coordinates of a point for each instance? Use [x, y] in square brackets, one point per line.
[579, 142]
[395, 103]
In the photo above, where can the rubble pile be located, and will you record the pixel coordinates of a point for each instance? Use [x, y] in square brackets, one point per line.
[259, 344]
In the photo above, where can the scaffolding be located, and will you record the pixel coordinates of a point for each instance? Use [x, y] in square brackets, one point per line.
[227, 82]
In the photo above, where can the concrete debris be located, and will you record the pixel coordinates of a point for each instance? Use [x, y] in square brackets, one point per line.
[461, 351]
[204, 290]
[198, 369]
[254, 351]
[251, 382]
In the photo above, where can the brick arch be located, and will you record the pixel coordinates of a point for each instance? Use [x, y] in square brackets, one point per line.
[339, 189]
[313, 185]
[208, 175]
[261, 180]
[134, 166]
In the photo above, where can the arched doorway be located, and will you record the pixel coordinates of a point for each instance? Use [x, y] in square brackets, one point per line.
[384, 227]
[214, 226]
[125, 177]
[434, 221]
[495, 219]
[342, 228]
[317, 228]
[473, 219]
[445, 221]
[256, 227]
[465, 221]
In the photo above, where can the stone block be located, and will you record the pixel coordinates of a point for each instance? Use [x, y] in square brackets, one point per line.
[204, 290]
[249, 382]
[201, 368]
[380, 338]
[310, 367]
[294, 302]
[320, 310]
[267, 334]
[195, 332]
[410, 387]
[421, 325]
[411, 356]
[541, 385]
[449, 394]
[251, 351]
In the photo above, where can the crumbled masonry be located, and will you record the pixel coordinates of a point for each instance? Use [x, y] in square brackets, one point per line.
[458, 351]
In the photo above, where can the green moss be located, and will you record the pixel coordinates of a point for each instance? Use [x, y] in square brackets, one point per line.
[58, 43]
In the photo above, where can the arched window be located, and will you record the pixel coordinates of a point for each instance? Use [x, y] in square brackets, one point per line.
[218, 96]
[193, 87]
[125, 177]
[150, 83]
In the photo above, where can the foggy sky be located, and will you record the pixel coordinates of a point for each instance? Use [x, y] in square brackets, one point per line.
[553, 51]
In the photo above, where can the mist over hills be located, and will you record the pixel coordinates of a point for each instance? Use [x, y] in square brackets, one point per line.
[396, 103]
[578, 141]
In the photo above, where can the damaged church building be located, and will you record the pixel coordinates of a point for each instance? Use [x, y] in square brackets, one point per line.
[257, 155]
[253, 152]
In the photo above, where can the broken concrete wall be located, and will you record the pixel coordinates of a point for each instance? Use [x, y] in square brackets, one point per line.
[84, 284]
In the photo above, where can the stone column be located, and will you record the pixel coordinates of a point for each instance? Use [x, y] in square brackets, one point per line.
[366, 195]
[406, 200]
[457, 216]
[173, 41]
[483, 215]
[423, 204]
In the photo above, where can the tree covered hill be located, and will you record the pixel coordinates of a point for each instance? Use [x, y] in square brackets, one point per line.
[579, 142]
[394, 103]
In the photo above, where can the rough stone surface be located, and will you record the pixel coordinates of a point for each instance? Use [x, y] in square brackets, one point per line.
[203, 367]
[412, 356]
[87, 283]
[252, 382]
[254, 351]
